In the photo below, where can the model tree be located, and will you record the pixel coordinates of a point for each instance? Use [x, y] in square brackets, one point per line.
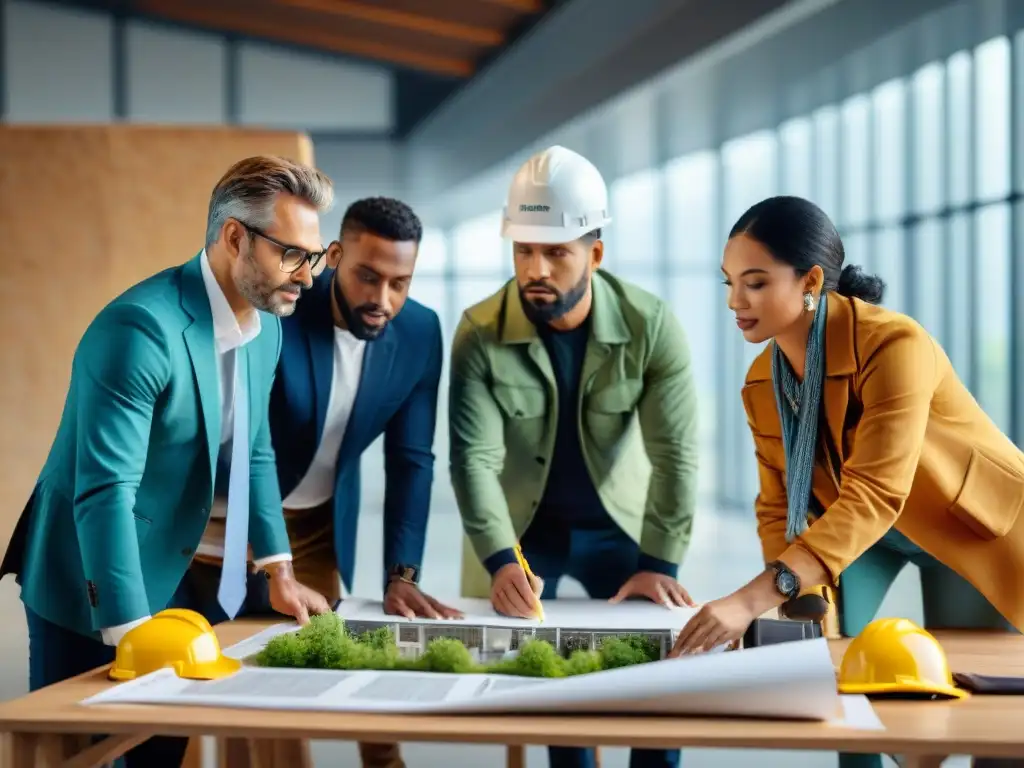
[325, 643]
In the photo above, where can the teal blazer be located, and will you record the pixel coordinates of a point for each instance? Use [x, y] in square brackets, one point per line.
[125, 494]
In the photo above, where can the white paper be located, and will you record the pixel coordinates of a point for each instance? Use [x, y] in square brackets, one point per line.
[564, 613]
[253, 645]
[746, 683]
[858, 714]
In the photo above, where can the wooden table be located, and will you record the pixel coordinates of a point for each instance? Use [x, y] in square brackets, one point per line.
[47, 728]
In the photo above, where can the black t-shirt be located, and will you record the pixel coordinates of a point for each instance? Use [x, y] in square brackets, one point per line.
[570, 499]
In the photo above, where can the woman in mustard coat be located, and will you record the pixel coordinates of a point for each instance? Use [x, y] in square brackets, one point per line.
[871, 452]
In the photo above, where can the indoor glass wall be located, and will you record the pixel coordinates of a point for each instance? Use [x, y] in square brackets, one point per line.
[918, 175]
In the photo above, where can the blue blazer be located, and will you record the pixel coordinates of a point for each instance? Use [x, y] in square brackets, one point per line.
[397, 396]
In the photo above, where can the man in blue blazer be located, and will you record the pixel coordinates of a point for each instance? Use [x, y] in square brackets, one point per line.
[359, 358]
[165, 418]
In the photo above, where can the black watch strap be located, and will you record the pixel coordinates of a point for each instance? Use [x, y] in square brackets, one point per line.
[407, 573]
[787, 583]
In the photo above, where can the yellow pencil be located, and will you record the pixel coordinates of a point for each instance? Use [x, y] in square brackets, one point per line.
[529, 575]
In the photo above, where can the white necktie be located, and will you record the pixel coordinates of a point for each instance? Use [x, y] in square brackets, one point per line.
[231, 593]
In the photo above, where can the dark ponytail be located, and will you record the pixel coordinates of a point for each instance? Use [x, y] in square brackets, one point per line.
[799, 233]
[855, 283]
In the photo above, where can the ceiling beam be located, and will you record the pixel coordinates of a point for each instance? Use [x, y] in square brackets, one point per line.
[306, 37]
[525, 6]
[413, 22]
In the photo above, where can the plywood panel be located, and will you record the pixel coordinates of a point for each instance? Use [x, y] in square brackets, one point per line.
[85, 213]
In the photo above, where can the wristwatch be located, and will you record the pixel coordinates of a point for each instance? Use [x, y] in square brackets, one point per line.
[407, 573]
[786, 582]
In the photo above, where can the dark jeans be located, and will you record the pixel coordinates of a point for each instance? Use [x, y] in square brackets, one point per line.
[602, 561]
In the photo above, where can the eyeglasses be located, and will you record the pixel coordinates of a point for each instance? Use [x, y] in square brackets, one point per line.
[292, 258]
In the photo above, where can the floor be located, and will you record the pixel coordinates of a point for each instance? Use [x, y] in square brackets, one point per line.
[723, 555]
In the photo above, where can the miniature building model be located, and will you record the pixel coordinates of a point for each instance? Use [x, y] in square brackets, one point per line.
[488, 643]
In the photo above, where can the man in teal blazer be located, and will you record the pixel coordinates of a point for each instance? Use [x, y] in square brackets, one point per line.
[146, 443]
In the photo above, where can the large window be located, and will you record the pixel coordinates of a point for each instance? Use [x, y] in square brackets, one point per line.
[694, 298]
[917, 173]
[826, 160]
[751, 173]
[959, 304]
[481, 262]
[889, 149]
[433, 253]
[750, 166]
[929, 111]
[691, 210]
[930, 286]
[855, 151]
[959, 100]
[633, 235]
[992, 320]
[993, 169]
[797, 139]
[478, 248]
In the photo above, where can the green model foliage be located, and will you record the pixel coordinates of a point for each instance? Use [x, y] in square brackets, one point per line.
[326, 644]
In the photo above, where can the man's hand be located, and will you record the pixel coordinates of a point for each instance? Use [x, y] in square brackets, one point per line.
[514, 594]
[656, 587]
[405, 599]
[289, 597]
[716, 623]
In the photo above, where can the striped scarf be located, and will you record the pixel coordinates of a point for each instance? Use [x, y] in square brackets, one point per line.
[799, 405]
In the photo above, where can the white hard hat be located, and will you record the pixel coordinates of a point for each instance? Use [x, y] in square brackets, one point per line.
[556, 196]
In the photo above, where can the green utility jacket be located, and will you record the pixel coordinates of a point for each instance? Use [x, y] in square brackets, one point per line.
[638, 422]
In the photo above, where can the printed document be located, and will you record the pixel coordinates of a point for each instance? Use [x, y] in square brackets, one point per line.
[737, 684]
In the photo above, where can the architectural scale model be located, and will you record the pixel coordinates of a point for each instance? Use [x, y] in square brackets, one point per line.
[488, 643]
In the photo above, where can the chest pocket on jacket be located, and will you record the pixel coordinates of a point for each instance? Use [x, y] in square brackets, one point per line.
[610, 411]
[524, 409]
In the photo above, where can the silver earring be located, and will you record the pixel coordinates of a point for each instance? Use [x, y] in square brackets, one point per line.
[809, 301]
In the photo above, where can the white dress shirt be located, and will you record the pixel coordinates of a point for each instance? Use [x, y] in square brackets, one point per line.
[317, 486]
[228, 336]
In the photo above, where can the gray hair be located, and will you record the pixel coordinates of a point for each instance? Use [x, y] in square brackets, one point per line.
[249, 188]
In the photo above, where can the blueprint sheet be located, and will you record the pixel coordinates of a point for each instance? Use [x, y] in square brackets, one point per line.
[736, 684]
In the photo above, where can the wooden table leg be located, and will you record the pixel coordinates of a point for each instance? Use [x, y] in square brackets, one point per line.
[19, 750]
[49, 750]
[193, 754]
[920, 761]
[233, 753]
[280, 753]
[516, 757]
[264, 753]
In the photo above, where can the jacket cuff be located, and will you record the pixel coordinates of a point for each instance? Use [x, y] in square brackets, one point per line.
[656, 564]
[655, 542]
[112, 635]
[499, 560]
[791, 557]
[270, 559]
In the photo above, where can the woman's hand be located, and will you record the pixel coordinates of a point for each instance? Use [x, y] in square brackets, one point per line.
[716, 623]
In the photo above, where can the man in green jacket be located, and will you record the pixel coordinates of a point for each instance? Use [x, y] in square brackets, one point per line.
[572, 417]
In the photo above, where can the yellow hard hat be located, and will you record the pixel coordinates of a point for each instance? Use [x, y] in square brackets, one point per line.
[895, 656]
[176, 638]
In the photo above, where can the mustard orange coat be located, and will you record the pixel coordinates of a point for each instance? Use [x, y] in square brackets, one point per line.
[917, 452]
